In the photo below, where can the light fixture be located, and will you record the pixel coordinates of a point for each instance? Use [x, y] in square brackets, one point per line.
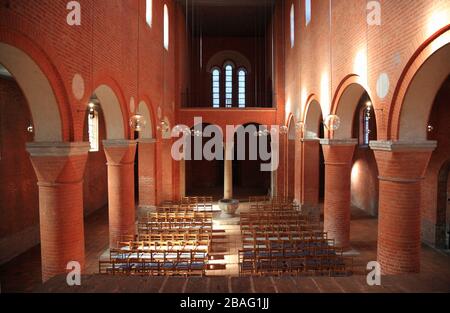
[197, 133]
[137, 122]
[430, 128]
[30, 128]
[163, 126]
[332, 122]
[369, 105]
[284, 130]
[261, 133]
[300, 126]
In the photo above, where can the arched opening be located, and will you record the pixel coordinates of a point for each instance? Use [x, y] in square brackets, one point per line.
[19, 196]
[204, 177]
[38, 92]
[95, 188]
[418, 101]
[364, 176]
[313, 167]
[145, 171]
[29, 112]
[291, 171]
[435, 188]
[248, 178]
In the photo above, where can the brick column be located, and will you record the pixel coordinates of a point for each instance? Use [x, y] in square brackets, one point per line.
[147, 178]
[121, 205]
[338, 160]
[401, 167]
[310, 149]
[60, 169]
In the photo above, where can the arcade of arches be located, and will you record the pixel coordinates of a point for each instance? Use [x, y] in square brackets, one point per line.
[88, 115]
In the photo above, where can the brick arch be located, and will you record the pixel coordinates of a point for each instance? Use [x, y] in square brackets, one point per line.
[114, 108]
[312, 117]
[291, 125]
[146, 109]
[414, 94]
[345, 103]
[220, 58]
[38, 77]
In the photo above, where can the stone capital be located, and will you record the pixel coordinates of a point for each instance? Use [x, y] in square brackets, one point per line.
[57, 149]
[147, 140]
[339, 142]
[403, 146]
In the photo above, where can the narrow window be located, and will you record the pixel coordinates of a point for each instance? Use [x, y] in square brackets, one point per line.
[166, 27]
[216, 88]
[228, 86]
[308, 11]
[149, 12]
[366, 125]
[292, 26]
[93, 130]
[242, 85]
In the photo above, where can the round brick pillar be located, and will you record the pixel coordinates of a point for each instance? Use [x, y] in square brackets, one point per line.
[338, 156]
[60, 169]
[121, 204]
[401, 167]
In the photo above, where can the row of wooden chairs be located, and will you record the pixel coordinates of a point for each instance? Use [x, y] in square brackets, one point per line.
[191, 262]
[181, 245]
[179, 215]
[294, 261]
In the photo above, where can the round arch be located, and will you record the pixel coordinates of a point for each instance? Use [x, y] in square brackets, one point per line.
[313, 118]
[143, 109]
[38, 91]
[415, 92]
[114, 119]
[221, 57]
[291, 127]
[345, 103]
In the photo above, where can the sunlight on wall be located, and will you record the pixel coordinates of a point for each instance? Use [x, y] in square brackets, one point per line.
[355, 172]
[360, 65]
[436, 21]
[288, 108]
[303, 99]
[325, 93]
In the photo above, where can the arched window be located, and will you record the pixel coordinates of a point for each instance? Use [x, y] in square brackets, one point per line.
[166, 27]
[292, 26]
[308, 11]
[242, 77]
[149, 12]
[215, 77]
[93, 128]
[366, 124]
[228, 85]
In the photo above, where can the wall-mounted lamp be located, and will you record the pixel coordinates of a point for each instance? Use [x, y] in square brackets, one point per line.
[262, 133]
[300, 126]
[332, 122]
[430, 128]
[163, 126]
[284, 130]
[30, 128]
[138, 122]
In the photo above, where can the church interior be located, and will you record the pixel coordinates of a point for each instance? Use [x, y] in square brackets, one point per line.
[325, 120]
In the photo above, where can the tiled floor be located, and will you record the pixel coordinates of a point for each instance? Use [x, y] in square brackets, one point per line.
[23, 273]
